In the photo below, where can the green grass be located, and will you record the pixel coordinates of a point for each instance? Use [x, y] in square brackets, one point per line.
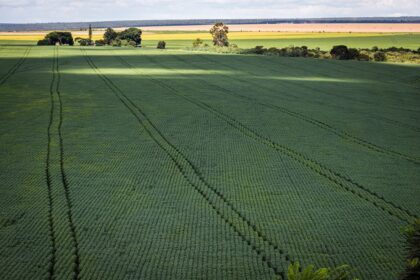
[121, 163]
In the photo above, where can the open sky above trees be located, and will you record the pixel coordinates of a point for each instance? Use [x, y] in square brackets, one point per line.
[28, 11]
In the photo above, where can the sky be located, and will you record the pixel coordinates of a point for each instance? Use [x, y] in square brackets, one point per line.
[29, 11]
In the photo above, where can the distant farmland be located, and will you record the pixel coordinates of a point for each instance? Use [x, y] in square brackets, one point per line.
[177, 40]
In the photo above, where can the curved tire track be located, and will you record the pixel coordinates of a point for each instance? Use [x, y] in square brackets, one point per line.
[15, 67]
[227, 212]
[335, 177]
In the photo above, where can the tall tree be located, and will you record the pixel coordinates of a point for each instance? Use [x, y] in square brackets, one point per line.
[219, 32]
[109, 36]
[90, 32]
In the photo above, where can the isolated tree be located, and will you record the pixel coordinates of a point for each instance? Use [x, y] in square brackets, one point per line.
[109, 36]
[219, 33]
[90, 32]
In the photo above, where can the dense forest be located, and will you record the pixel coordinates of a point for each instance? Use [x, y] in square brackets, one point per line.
[135, 23]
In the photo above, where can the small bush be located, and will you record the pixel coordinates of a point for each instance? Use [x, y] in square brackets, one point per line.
[197, 43]
[363, 56]
[412, 234]
[116, 43]
[353, 53]
[161, 45]
[258, 50]
[375, 49]
[43, 42]
[132, 44]
[379, 56]
[295, 272]
[84, 42]
[100, 43]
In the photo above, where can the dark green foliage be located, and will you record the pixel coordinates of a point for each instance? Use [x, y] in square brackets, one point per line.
[288, 51]
[375, 49]
[62, 38]
[43, 42]
[90, 32]
[353, 53]
[340, 52]
[100, 43]
[379, 56]
[109, 36]
[161, 45]
[219, 33]
[259, 50]
[295, 272]
[84, 42]
[197, 43]
[412, 234]
[116, 43]
[131, 34]
[122, 38]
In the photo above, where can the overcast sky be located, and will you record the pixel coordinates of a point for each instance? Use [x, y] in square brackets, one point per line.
[20, 11]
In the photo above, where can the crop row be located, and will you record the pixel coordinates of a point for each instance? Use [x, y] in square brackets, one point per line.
[249, 233]
[321, 124]
[266, 212]
[337, 178]
[15, 67]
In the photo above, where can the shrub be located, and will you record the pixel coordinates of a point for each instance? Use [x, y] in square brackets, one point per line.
[84, 42]
[363, 56]
[197, 43]
[340, 52]
[99, 42]
[124, 43]
[295, 272]
[161, 45]
[412, 234]
[116, 43]
[379, 56]
[353, 53]
[43, 42]
[132, 44]
[258, 50]
[375, 49]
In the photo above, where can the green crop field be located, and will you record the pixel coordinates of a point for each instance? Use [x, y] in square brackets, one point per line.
[119, 163]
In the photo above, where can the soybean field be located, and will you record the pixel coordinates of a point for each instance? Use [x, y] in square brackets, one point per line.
[119, 163]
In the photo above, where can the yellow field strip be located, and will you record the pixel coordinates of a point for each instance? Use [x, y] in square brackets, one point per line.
[206, 36]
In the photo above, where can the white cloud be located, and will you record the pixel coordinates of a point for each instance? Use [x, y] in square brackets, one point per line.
[95, 10]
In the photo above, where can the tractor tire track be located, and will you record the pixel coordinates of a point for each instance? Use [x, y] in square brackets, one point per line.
[334, 177]
[323, 125]
[55, 122]
[69, 204]
[52, 261]
[15, 67]
[227, 212]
